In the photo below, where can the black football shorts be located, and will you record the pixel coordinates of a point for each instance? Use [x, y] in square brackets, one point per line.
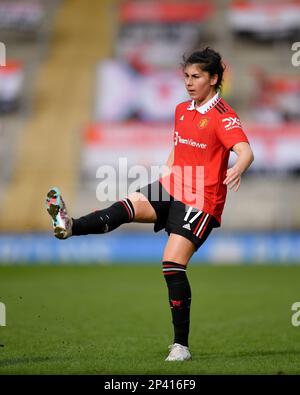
[176, 217]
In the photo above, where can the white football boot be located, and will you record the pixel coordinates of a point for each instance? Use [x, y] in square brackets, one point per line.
[62, 223]
[178, 353]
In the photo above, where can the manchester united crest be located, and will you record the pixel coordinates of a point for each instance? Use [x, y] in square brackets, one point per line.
[203, 123]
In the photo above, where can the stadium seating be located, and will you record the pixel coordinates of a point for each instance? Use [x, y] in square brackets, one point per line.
[48, 150]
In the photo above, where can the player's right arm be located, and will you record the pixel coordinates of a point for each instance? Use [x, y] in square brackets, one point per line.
[168, 165]
[170, 160]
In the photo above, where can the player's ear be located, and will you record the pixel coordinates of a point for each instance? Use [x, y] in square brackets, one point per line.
[213, 79]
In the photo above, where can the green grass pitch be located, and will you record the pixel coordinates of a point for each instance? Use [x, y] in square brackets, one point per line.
[115, 319]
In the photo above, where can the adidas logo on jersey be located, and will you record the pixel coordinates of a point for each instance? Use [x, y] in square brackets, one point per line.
[182, 118]
[187, 226]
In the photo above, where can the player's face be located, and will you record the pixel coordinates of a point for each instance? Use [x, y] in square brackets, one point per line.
[199, 84]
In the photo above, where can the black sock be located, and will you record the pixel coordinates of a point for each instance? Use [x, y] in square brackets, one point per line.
[106, 220]
[180, 300]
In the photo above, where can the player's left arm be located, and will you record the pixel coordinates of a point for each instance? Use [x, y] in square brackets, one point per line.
[244, 159]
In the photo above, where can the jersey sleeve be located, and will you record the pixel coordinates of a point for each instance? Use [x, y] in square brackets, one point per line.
[229, 130]
[176, 114]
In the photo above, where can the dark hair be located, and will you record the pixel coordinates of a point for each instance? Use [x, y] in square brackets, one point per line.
[210, 61]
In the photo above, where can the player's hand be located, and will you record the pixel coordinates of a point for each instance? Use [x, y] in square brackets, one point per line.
[233, 178]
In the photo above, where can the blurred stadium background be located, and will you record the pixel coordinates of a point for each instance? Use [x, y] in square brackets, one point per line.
[89, 82]
[86, 83]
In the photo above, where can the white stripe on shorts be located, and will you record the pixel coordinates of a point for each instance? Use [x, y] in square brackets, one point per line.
[195, 217]
[203, 223]
[188, 213]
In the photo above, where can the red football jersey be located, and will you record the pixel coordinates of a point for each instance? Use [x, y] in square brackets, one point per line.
[203, 138]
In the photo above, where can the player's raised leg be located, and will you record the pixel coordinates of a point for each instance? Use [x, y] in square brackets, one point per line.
[134, 208]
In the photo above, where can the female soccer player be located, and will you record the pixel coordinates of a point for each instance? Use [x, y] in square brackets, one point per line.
[188, 200]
